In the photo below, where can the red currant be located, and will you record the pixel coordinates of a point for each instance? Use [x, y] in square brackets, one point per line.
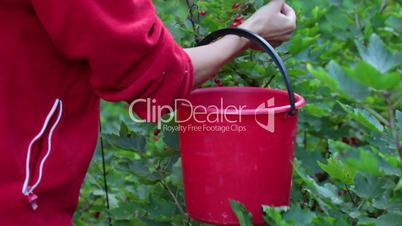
[236, 5]
[218, 82]
[235, 24]
[97, 214]
[238, 18]
[352, 141]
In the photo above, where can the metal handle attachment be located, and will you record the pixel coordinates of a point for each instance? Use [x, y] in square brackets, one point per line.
[263, 44]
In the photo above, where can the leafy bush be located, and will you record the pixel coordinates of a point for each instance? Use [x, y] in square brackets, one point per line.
[345, 59]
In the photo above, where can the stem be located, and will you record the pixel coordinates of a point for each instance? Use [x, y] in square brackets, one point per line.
[377, 115]
[383, 6]
[105, 184]
[350, 195]
[242, 75]
[357, 20]
[191, 6]
[176, 201]
[305, 140]
[166, 187]
[392, 123]
[356, 17]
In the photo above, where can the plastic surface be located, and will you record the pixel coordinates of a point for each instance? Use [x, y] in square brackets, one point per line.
[237, 143]
[252, 166]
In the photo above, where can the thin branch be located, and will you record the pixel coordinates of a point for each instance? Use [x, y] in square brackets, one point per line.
[377, 115]
[357, 21]
[166, 187]
[176, 201]
[383, 6]
[191, 8]
[104, 174]
[305, 140]
[392, 123]
[245, 77]
[350, 195]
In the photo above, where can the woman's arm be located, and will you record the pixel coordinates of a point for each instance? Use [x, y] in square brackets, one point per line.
[207, 60]
[275, 21]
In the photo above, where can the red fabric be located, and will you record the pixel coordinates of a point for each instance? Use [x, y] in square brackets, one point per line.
[78, 51]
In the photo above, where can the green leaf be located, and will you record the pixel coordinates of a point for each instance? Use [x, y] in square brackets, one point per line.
[148, 222]
[377, 54]
[347, 85]
[176, 176]
[324, 77]
[298, 216]
[143, 173]
[328, 191]
[367, 75]
[338, 170]
[364, 117]
[368, 186]
[125, 211]
[387, 203]
[244, 217]
[316, 110]
[367, 162]
[161, 209]
[274, 215]
[399, 121]
[124, 130]
[398, 186]
[171, 137]
[389, 219]
[134, 143]
[338, 147]
[301, 42]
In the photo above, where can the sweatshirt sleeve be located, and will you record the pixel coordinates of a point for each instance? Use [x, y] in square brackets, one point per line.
[131, 54]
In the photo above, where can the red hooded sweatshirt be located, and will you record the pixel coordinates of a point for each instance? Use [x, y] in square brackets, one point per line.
[57, 59]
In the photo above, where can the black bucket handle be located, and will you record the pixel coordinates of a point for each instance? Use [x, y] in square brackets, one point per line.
[263, 44]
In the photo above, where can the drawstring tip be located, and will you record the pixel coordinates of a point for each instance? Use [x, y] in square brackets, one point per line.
[32, 198]
[34, 205]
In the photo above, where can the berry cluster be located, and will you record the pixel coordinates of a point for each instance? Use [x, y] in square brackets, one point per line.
[237, 21]
[218, 82]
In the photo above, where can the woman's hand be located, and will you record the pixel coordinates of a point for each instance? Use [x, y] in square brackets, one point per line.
[275, 21]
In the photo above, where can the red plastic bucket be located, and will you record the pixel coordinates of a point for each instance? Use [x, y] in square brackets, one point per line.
[237, 143]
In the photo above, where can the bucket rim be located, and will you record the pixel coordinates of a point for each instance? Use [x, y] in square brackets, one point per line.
[300, 101]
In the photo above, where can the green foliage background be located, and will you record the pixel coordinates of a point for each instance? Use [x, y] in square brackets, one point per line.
[345, 59]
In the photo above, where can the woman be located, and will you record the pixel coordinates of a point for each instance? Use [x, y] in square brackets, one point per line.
[58, 58]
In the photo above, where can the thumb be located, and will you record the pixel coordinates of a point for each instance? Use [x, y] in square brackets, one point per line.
[276, 5]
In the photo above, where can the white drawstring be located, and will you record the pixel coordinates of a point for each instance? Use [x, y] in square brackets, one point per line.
[26, 189]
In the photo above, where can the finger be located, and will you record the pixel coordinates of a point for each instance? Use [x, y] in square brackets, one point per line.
[276, 5]
[288, 34]
[289, 12]
[275, 37]
[275, 43]
[281, 38]
[286, 9]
